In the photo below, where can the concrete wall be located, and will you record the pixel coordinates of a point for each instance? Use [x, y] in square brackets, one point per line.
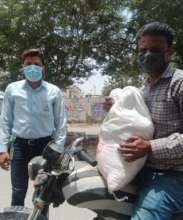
[76, 109]
[85, 109]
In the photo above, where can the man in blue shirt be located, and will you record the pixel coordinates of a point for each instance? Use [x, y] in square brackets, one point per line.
[33, 113]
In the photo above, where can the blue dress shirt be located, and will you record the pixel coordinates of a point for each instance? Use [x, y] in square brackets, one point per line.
[32, 113]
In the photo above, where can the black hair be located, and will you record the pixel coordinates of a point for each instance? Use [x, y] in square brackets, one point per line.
[32, 52]
[157, 28]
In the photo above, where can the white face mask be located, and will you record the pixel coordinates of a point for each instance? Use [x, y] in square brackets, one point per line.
[33, 73]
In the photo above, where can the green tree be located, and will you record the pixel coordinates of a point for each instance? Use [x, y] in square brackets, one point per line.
[144, 11]
[166, 11]
[122, 81]
[76, 36]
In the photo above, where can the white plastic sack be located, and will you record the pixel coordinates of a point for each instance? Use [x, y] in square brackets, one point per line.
[129, 116]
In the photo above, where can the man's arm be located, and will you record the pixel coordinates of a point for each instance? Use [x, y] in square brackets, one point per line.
[5, 128]
[162, 149]
[134, 148]
[107, 104]
[171, 147]
[60, 120]
[6, 121]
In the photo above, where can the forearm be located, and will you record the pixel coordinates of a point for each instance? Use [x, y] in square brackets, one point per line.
[60, 119]
[59, 137]
[168, 148]
[5, 128]
[6, 120]
[4, 137]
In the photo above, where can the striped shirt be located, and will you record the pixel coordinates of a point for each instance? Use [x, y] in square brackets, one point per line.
[165, 101]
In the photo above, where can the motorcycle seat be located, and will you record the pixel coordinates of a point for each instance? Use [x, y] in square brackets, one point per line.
[86, 188]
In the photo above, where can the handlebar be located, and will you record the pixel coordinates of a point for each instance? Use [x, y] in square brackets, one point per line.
[76, 142]
[50, 177]
[81, 152]
[82, 155]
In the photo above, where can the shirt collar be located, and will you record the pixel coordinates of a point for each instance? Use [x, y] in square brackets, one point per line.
[42, 85]
[168, 73]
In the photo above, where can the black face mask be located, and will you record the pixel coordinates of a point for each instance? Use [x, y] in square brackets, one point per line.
[153, 62]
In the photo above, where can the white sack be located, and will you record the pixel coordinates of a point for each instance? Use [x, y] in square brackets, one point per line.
[129, 116]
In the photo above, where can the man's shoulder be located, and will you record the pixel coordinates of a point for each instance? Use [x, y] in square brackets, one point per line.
[51, 86]
[176, 83]
[178, 75]
[15, 85]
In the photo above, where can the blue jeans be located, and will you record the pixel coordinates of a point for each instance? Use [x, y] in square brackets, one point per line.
[160, 195]
[22, 154]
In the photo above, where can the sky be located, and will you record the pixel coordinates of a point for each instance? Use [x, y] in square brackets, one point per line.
[93, 85]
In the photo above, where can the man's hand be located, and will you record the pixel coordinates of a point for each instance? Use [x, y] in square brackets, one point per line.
[134, 148]
[4, 160]
[107, 104]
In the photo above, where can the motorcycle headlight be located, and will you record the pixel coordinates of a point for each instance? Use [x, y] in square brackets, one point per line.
[36, 164]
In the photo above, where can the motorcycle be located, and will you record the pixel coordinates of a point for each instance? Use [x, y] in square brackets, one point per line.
[73, 176]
